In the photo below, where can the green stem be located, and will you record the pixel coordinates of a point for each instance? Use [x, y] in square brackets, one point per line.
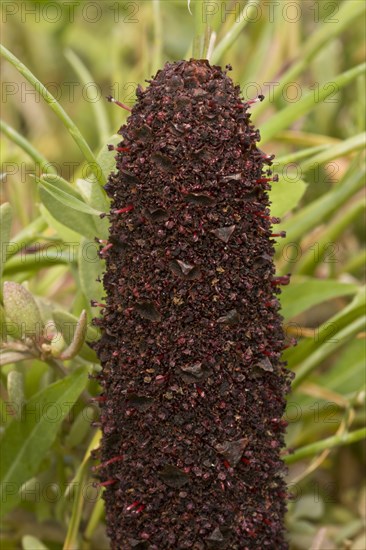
[246, 15]
[58, 110]
[158, 38]
[355, 263]
[329, 443]
[298, 155]
[202, 30]
[27, 147]
[36, 261]
[79, 481]
[93, 523]
[329, 346]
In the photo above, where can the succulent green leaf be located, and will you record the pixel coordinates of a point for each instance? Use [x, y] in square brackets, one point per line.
[22, 310]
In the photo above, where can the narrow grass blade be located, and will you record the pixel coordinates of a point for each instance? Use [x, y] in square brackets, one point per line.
[237, 27]
[98, 106]
[325, 242]
[351, 145]
[27, 147]
[58, 110]
[327, 31]
[284, 118]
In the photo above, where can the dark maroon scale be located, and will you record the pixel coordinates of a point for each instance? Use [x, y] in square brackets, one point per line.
[193, 385]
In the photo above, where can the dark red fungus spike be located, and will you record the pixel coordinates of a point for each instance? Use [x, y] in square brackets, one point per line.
[191, 335]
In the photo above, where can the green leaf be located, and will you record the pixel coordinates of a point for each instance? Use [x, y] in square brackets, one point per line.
[106, 159]
[79, 483]
[285, 196]
[285, 117]
[326, 334]
[32, 543]
[321, 209]
[80, 428]
[6, 217]
[296, 156]
[346, 147]
[81, 222]
[68, 199]
[66, 324]
[15, 387]
[306, 292]
[93, 194]
[327, 31]
[308, 508]
[26, 442]
[338, 377]
[65, 233]
[250, 11]
[22, 310]
[96, 197]
[26, 236]
[331, 338]
[325, 240]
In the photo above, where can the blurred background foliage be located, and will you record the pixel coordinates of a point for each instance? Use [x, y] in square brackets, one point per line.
[306, 58]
